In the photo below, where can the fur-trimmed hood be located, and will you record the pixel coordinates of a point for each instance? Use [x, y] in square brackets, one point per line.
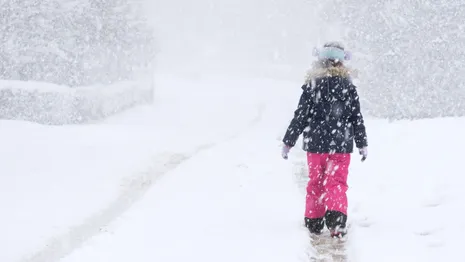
[318, 72]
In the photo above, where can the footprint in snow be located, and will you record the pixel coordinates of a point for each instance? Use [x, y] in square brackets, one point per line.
[365, 223]
[434, 202]
[428, 232]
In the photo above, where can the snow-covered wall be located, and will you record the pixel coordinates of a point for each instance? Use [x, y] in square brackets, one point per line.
[51, 104]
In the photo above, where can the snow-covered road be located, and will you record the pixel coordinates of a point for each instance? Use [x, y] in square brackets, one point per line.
[199, 176]
[232, 202]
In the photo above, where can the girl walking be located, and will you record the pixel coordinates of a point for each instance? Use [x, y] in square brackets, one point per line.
[329, 116]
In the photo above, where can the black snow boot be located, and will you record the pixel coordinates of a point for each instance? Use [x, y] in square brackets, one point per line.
[315, 225]
[336, 223]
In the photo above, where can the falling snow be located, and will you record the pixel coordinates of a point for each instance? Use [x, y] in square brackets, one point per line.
[197, 175]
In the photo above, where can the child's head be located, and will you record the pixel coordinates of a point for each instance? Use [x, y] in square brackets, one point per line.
[332, 54]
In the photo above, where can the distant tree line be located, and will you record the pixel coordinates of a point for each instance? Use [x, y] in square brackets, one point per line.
[74, 42]
[410, 54]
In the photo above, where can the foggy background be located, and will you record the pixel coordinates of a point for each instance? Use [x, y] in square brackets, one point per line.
[410, 54]
[244, 36]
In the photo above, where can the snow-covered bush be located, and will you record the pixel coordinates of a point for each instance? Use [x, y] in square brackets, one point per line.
[97, 53]
[52, 104]
[73, 42]
[410, 54]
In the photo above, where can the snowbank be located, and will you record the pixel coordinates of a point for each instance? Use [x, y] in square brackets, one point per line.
[51, 104]
[53, 177]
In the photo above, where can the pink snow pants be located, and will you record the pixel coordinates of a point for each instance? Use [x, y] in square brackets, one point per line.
[327, 187]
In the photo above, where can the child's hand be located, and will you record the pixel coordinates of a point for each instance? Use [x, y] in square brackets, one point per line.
[285, 151]
[363, 152]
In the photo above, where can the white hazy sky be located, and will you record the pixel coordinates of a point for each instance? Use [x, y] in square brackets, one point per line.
[238, 31]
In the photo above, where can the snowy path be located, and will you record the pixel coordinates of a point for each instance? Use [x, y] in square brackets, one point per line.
[61, 185]
[224, 204]
[225, 193]
[134, 188]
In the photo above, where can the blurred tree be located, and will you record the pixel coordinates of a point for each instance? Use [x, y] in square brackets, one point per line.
[73, 42]
[410, 52]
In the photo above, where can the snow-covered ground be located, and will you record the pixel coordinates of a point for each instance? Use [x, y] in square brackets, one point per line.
[198, 177]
